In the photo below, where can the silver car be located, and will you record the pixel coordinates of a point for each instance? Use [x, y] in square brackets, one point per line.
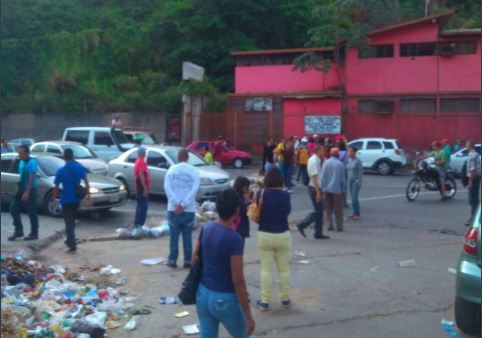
[159, 159]
[106, 192]
[82, 154]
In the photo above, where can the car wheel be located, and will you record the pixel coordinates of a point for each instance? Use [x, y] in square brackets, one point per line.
[467, 316]
[384, 168]
[47, 207]
[123, 181]
[238, 163]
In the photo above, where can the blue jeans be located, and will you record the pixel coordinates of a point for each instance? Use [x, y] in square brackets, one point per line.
[268, 166]
[316, 216]
[288, 175]
[181, 224]
[215, 308]
[141, 210]
[31, 205]
[354, 191]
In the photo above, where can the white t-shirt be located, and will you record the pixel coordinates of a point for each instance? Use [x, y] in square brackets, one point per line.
[182, 185]
[116, 124]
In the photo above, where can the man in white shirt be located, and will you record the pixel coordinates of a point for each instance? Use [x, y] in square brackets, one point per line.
[116, 123]
[181, 186]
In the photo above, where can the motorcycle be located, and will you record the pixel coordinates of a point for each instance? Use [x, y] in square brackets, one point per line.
[427, 176]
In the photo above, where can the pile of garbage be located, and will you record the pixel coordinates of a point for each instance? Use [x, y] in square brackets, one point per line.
[54, 302]
[143, 232]
[206, 213]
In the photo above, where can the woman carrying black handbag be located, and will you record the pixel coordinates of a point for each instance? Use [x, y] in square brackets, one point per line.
[222, 296]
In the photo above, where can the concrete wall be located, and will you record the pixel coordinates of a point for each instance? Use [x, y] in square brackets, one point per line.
[51, 127]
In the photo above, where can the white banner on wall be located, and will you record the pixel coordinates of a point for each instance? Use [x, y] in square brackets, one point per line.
[324, 125]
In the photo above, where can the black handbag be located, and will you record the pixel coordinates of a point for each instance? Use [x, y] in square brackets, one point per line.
[20, 189]
[80, 191]
[188, 294]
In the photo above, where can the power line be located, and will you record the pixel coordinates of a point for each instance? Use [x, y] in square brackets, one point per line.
[195, 17]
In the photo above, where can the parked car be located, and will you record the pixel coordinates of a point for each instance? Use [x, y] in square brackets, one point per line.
[469, 289]
[459, 158]
[149, 138]
[22, 142]
[107, 143]
[236, 158]
[82, 154]
[382, 155]
[159, 160]
[106, 192]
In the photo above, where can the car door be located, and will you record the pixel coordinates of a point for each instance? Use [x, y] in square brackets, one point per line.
[359, 145]
[458, 160]
[158, 166]
[372, 153]
[127, 170]
[104, 146]
[10, 178]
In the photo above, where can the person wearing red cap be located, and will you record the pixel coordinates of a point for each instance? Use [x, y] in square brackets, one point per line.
[448, 151]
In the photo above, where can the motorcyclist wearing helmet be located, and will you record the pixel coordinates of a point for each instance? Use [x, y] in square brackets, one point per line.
[441, 164]
[139, 140]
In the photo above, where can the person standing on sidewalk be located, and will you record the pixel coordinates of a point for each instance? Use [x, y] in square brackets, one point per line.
[6, 148]
[70, 177]
[333, 183]
[355, 181]
[241, 225]
[268, 155]
[222, 296]
[143, 186]
[302, 158]
[274, 238]
[315, 165]
[288, 165]
[218, 152]
[26, 196]
[181, 186]
[474, 174]
[208, 156]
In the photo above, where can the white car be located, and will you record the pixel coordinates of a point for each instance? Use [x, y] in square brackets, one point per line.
[458, 159]
[82, 154]
[107, 143]
[159, 159]
[382, 155]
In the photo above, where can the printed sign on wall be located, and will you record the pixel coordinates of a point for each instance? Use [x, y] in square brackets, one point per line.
[322, 125]
[259, 104]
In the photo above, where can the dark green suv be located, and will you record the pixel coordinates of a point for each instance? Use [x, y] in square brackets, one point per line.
[469, 289]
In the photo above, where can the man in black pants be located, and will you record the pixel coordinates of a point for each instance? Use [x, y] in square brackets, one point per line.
[473, 173]
[70, 176]
[314, 171]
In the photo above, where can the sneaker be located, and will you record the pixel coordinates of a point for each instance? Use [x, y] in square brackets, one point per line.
[321, 237]
[187, 265]
[262, 306]
[172, 265]
[14, 237]
[71, 252]
[301, 230]
[286, 303]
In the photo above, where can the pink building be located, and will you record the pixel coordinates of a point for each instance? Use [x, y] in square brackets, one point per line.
[415, 82]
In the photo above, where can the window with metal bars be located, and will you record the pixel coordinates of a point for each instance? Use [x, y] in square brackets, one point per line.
[377, 52]
[418, 49]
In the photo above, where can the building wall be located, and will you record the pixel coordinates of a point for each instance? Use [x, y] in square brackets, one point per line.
[295, 111]
[51, 127]
[412, 75]
[281, 79]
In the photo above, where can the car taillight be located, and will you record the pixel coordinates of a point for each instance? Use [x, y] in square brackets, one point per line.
[471, 241]
[398, 152]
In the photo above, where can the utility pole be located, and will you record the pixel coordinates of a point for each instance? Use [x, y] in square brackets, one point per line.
[427, 5]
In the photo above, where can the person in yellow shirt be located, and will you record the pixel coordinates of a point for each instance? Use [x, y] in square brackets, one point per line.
[303, 157]
[279, 152]
[208, 156]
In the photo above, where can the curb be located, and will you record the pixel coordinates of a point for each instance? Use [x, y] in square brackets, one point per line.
[45, 243]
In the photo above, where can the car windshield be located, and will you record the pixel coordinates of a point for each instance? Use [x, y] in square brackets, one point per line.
[194, 159]
[80, 152]
[49, 165]
[119, 137]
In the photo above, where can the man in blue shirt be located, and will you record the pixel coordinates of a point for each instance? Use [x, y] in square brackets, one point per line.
[26, 196]
[334, 184]
[70, 176]
[6, 147]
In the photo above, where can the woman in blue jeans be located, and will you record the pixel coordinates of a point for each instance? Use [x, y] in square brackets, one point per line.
[355, 181]
[222, 295]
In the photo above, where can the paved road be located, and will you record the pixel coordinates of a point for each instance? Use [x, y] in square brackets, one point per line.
[352, 288]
